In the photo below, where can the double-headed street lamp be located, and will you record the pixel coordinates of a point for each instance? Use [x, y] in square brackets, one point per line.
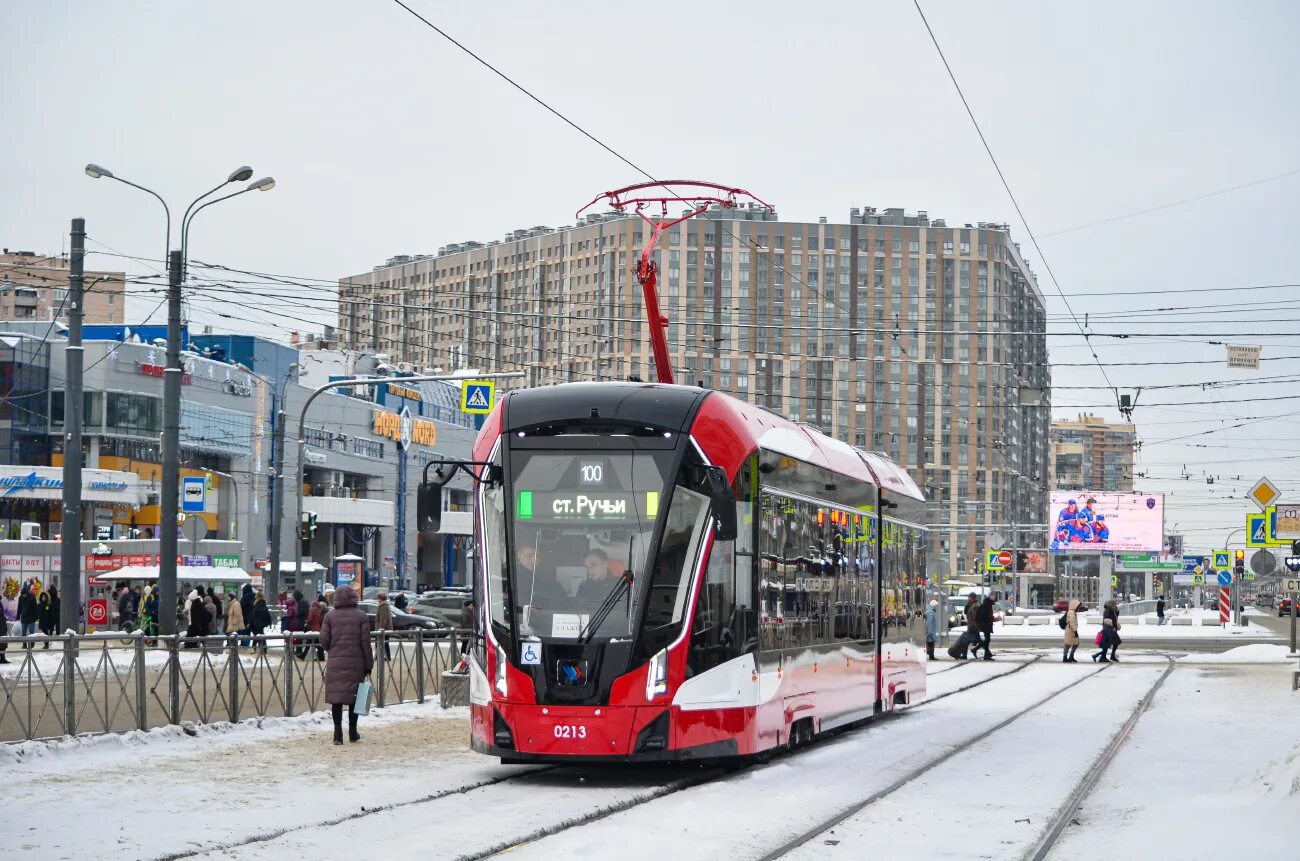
[169, 500]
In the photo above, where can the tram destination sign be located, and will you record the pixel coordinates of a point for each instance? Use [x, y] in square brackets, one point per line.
[599, 506]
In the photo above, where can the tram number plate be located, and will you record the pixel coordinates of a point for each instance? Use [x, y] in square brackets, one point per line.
[570, 730]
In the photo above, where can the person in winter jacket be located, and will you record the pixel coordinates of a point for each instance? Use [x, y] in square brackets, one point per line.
[345, 636]
[214, 614]
[234, 618]
[931, 628]
[45, 613]
[400, 601]
[260, 620]
[1111, 612]
[199, 622]
[1071, 638]
[150, 620]
[1160, 610]
[316, 618]
[1107, 632]
[301, 610]
[125, 613]
[28, 614]
[247, 599]
[984, 620]
[384, 620]
[972, 623]
[290, 620]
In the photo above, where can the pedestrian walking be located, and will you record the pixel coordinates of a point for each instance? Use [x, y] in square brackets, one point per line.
[302, 610]
[125, 614]
[972, 623]
[384, 620]
[290, 620]
[235, 619]
[28, 614]
[199, 620]
[55, 605]
[1112, 613]
[1103, 641]
[984, 620]
[345, 636]
[259, 621]
[400, 601]
[214, 614]
[247, 599]
[45, 613]
[150, 620]
[931, 628]
[1160, 610]
[315, 618]
[1071, 638]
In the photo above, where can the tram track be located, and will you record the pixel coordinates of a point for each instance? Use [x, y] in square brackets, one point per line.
[555, 776]
[1065, 814]
[719, 772]
[1061, 817]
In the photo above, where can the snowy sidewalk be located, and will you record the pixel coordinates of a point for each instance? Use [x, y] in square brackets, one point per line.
[145, 795]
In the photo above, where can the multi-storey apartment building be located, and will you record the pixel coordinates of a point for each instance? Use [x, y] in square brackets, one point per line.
[895, 332]
[35, 287]
[1090, 452]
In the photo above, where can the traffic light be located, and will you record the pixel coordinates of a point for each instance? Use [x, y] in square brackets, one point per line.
[308, 527]
[1239, 563]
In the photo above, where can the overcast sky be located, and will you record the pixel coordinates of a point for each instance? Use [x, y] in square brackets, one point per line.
[385, 139]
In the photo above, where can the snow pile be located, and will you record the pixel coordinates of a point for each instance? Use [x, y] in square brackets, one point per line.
[1255, 653]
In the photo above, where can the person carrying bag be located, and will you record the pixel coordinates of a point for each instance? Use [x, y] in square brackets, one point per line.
[349, 658]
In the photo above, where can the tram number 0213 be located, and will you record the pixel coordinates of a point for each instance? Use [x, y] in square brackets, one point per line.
[570, 730]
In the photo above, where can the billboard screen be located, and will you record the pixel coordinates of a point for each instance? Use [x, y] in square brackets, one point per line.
[1080, 520]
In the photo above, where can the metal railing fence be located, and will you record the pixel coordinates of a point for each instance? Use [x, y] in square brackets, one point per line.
[115, 682]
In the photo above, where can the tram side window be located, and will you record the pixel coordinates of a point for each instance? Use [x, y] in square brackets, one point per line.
[771, 549]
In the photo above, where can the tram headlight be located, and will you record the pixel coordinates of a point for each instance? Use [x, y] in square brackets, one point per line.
[500, 683]
[656, 678]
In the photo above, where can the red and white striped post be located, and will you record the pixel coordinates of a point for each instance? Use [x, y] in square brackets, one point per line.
[1225, 605]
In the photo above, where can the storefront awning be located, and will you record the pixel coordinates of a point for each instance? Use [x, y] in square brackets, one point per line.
[184, 574]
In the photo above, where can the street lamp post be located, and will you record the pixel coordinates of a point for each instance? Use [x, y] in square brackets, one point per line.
[169, 454]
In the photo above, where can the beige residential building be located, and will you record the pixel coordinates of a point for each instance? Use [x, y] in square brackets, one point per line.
[1089, 453]
[35, 287]
[895, 332]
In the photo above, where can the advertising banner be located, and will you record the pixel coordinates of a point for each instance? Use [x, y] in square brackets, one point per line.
[1085, 521]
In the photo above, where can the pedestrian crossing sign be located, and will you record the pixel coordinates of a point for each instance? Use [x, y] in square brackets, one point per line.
[1260, 529]
[477, 396]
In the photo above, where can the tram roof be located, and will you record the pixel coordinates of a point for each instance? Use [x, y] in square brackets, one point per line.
[681, 408]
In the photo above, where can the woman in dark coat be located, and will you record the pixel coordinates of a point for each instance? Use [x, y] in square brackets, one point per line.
[200, 619]
[45, 612]
[345, 637]
[260, 621]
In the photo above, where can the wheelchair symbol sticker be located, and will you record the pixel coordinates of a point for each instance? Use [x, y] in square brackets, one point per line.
[531, 654]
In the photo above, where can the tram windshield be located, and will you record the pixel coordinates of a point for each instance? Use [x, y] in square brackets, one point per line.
[582, 528]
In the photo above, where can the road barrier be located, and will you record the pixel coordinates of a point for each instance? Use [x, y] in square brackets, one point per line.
[115, 682]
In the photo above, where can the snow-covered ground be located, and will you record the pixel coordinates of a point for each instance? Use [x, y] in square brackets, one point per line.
[278, 788]
[1211, 772]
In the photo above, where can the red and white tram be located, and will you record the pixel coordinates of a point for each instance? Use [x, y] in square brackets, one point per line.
[665, 572]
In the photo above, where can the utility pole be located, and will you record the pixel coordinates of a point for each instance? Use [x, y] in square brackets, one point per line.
[277, 497]
[70, 543]
[171, 439]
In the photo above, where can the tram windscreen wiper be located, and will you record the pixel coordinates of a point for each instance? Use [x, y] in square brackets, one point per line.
[606, 607]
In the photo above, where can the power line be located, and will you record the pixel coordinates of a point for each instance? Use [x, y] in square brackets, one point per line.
[1172, 204]
[1014, 202]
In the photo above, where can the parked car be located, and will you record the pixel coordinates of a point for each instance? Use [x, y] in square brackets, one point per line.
[443, 605]
[1060, 605]
[401, 621]
[1285, 607]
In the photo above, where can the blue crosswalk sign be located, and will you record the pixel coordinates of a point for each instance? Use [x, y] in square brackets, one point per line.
[477, 396]
[1221, 561]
